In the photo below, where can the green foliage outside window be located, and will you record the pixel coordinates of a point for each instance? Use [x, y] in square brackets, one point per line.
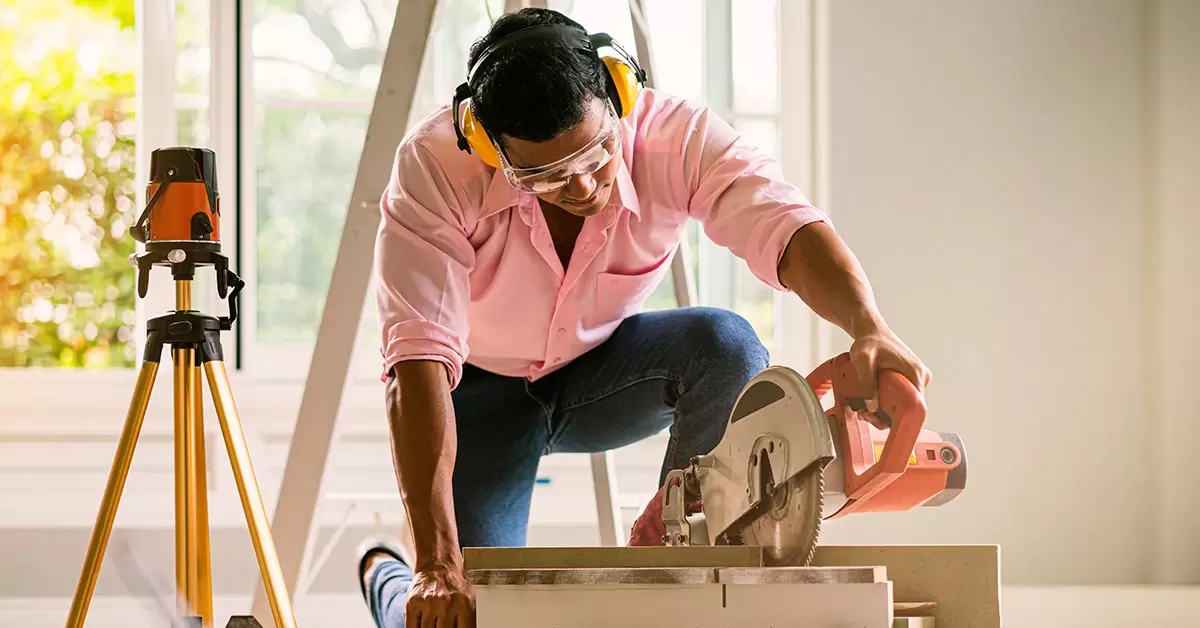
[67, 166]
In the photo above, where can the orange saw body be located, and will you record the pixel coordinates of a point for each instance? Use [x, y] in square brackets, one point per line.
[901, 468]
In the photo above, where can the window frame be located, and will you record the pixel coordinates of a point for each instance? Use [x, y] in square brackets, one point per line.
[719, 275]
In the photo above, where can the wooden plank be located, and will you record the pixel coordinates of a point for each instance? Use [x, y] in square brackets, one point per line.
[913, 609]
[609, 557]
[963, 580]
[577, 576]
[867, 605]
[802, 575]
[639, 606]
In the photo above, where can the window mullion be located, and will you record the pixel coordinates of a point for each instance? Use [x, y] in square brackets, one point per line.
[717, 281]
[157, 127]
[805, 339]
[246, 329]
[223, 112]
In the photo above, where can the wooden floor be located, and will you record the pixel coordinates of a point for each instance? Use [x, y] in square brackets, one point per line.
[344, 611]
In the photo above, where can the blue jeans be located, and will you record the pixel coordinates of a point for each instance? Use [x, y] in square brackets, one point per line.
[680, 369]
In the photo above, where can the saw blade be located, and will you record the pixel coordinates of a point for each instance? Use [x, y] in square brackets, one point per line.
[789, 521]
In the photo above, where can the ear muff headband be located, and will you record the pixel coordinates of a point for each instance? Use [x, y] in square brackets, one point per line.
[624, 79]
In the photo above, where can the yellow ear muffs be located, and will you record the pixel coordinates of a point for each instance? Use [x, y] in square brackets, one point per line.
[480, 143]
[626, 82]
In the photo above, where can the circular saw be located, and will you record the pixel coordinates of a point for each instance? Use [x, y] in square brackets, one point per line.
[786, 463]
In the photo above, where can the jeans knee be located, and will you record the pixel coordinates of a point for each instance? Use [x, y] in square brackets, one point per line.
[727, 341]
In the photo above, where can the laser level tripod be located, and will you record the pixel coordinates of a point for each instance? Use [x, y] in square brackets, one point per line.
[195, 340]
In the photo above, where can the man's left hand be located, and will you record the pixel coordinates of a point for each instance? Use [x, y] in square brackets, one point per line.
[877, 348]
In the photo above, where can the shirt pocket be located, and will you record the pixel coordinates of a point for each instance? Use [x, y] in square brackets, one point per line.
[619, 295]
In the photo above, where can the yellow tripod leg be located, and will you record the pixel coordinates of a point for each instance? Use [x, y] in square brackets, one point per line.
[256, 513]
[187, 574]
[112, 494]
[199, 459]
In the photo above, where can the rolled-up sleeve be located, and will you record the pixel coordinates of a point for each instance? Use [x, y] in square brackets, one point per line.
[739, 195]
[422, 262]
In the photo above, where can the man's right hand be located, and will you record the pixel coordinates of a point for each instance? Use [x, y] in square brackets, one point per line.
[440, 598]
[424, 446]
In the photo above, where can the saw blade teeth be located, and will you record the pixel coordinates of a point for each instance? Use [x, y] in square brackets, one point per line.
[812, 551]
[788, 531]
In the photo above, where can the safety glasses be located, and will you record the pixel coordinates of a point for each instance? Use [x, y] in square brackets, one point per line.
[555, 176]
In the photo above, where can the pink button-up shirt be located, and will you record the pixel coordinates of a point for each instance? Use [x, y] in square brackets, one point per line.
[466, 270]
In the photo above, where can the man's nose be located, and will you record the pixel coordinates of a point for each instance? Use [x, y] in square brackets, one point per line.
[580, 187]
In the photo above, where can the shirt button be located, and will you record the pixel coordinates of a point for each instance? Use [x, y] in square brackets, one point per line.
[562, 331]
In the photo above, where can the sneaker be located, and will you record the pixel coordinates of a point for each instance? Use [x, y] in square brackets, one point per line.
[374, 545]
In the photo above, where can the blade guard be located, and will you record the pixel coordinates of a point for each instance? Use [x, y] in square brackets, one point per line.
[901, 408]
[777, 422]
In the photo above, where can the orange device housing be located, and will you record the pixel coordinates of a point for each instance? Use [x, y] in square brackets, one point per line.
[184, 204]
[901, 468]
[174, 215]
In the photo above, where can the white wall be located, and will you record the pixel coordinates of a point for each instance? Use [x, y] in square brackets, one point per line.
[993, 165]
[1176, 168]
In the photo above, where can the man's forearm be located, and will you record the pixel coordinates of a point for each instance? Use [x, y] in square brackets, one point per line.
[824, 273]
[424, 444]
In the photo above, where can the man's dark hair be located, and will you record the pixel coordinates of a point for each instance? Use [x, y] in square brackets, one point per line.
[538, 91]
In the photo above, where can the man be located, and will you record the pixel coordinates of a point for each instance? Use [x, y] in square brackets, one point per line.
[510, 277]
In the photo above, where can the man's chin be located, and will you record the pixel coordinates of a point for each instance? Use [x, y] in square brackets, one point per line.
[591, 209]
[584, 212]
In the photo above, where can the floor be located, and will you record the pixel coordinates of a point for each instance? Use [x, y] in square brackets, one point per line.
[343, 611]
[1040, 607]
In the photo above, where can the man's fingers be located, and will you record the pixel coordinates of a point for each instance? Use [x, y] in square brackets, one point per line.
[465, 617]
[907, 365]
[912, 373]
[864, 366]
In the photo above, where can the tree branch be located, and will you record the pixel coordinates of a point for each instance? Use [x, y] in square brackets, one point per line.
[322, 25]
[294, 62]
[371, 20]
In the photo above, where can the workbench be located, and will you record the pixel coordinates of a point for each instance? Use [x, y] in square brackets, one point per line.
[718, 587]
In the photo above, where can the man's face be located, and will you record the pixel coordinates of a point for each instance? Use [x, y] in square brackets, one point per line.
[584, 194]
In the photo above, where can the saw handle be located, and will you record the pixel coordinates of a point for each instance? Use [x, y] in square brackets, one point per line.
[901, 408]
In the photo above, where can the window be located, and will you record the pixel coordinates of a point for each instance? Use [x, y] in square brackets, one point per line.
[741, 83]
[756, 112]
[193, 62]
[66, 183]
[314, 67]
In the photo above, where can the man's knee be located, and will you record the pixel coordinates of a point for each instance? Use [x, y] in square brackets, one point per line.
[725, 340]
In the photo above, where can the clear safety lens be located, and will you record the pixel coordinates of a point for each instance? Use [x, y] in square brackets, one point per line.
[589, 159]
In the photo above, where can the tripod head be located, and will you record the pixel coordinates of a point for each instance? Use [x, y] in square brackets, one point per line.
[181, 224]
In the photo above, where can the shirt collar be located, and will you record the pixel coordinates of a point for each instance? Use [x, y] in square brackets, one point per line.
[625, 195]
